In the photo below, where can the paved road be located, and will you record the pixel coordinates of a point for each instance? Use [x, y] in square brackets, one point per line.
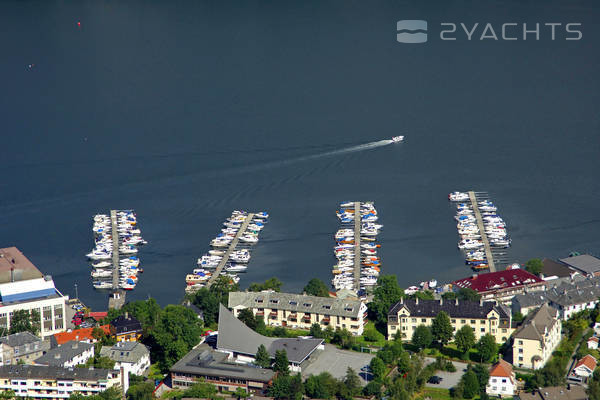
[336, 361]
[449, 379]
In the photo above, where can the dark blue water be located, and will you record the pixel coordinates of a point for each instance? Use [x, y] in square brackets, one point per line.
[185, 111]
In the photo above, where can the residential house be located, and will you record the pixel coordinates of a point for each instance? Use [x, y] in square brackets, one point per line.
[21, 347]
[67, 355]
[592, 342]
[44, 382]
[78, 335]
[24, 287]
[126, 328]
[570, 392]
[585, 264]
[502, 381]
[133, 356]
[241, 342]
[503, 285]
[215, 367]
[302, 311]
[571, 298]
[585, 367]
[536, 339]
[525, 302]
[483, 317]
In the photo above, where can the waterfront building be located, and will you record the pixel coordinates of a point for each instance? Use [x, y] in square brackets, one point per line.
[502, 381]
[134, 357]
[482, 316]
[536, 339]
[21, 347]
[585, 264]
[39, 382]
[215, 367]
[503, 285]
[126, 328]
[241, 342]
[556, 271]
[526, 302]
[67, 355]
[571, 298]
[301, 311]
[23, 287]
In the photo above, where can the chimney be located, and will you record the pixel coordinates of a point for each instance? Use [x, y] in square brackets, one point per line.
[474, 276]
[126, 315]
[417, 300]
[480, 302]
[441, 301]
[456, 301]
[12, 274]
[401, 300]
[57, 356]
[75, 345]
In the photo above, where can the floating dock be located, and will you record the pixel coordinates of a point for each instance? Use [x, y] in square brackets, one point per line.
[115, 249]
[232, 247]
[357, 248]
[486, 243]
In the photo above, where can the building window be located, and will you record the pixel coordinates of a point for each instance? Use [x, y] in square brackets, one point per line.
[482, 329]
[472, 321]
[462, 321]
[423, 320]
[414, 320]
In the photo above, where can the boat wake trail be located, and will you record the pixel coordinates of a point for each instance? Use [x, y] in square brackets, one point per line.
[352, 149]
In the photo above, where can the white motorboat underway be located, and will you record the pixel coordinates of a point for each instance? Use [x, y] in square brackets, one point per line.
[397, 139]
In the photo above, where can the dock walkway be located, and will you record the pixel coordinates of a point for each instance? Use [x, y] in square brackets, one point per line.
[115, 252]
[230, 249]
[357, 263]
[486, 243]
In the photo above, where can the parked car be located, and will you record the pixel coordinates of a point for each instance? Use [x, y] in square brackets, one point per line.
[436, 380]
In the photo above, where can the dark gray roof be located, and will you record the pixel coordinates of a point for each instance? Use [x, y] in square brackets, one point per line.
[296, 302]
[235, 336]
[527, 300]
[47, 372]
[63, 353]
[129, 352]
[126, 323]
[581, 292]
[553, 268]
[454, 309]
[19, 339]
[585, 263]
[544, 318]
[205, 361]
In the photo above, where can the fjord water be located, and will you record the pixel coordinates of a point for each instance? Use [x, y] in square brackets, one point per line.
[185, 111]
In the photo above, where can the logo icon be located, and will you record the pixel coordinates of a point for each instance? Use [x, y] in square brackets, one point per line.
[411, 31]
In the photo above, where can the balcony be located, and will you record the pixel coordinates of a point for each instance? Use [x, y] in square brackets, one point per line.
[273, 315]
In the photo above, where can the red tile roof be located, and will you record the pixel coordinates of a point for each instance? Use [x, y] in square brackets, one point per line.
[81, 335]
[97, 315]
[492, 281]
[589, 361]
[502, 368]
[593, 339]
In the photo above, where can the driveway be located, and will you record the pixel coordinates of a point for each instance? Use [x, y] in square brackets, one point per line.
[449, 379]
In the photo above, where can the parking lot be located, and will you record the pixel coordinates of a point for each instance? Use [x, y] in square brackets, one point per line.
[449, 379]
[336, 361]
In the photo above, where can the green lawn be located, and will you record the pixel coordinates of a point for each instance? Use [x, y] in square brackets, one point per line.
[435, 394]
[370, 327]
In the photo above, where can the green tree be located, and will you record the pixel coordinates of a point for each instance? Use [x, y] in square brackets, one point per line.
[464, 339]
[534, 266]
[423, 295]
[316, 287]
[372, 388]
[208, 300]
[470, 385]
[263, 359]
[240, 393]
[518, 317]
[316, 331]
[386, 294]
[25, 321]
[370, 334]
[247, 317]
[468, 294]
[352, 382]
[404, 363]
[286, 387]
[282, 365]
[441, 328]
[178, 330]
[322, 386]
[422, 337]
[377, 367]
[487, 348]
[449, 296]
[8, 394]
[270, 284]
[483, 376]
[343, 337]
[202, 390]
[141, 391]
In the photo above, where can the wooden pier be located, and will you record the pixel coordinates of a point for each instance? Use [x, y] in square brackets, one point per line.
[357, 261]
[486, 243]
[230, 249]
[115, 250]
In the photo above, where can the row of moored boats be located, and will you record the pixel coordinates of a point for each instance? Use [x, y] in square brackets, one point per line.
[356, 250]
[471, 236]
[235, 260]
[128, 237]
